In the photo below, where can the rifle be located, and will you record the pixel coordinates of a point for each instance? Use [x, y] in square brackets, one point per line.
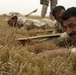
[39, 37]
[28, 39]
[31, 12]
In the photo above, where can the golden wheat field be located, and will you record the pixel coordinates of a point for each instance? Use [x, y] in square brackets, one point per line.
[16, 59]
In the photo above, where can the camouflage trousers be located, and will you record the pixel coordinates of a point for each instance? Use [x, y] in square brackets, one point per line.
[45, 7]
[53, 3]
[44, 11]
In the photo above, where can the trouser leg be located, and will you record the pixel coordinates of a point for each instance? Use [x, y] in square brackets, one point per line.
[44, 10]
[53, 3]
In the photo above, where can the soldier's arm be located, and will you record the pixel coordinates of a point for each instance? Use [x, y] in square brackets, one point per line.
[59, 52]
[54, 53]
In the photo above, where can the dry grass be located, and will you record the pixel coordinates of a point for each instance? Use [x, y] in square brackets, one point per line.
[16, 59]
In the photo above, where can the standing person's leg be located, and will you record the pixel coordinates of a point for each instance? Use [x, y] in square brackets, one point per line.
[53, 3]
[44, 11]
[44, 8]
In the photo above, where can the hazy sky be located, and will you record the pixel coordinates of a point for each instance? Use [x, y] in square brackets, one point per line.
[26, 6]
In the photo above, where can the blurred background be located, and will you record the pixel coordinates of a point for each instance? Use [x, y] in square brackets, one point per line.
[26, 6]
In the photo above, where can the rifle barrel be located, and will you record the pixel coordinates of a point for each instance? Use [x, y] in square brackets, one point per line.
[39, 37]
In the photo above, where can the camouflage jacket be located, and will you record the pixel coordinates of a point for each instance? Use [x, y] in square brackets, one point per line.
[58, 27]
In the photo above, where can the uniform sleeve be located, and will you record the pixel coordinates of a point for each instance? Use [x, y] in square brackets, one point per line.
[72, 51]
[62, 41]
[57, 27]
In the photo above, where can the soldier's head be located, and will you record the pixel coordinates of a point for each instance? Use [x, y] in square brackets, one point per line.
[69, 20]
[11, 19]
[57, 13]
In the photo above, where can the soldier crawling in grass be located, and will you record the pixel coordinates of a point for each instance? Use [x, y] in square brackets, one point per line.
[28, 23]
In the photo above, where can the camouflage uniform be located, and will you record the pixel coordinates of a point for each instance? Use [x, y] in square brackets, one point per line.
[45, 6]
[53, 3]
[19, 22]
[26, 23]
[58, 28]
[38, 24]
[64, 40]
